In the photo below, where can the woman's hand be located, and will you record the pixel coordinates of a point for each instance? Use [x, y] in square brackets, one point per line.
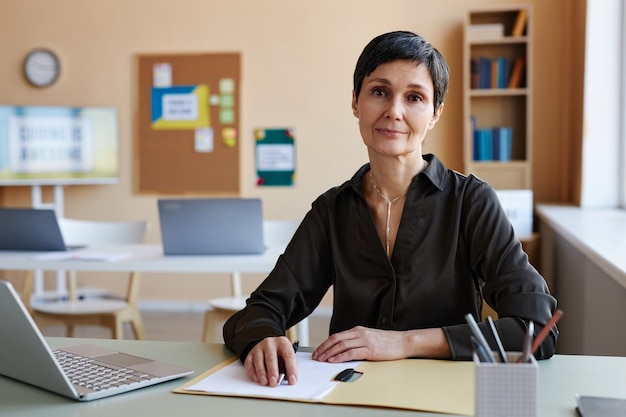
[267, 358]
[363, 343]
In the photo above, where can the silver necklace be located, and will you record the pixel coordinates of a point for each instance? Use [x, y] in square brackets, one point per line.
[389, 203]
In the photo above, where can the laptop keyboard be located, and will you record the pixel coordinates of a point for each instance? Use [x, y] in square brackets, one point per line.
[93, 374]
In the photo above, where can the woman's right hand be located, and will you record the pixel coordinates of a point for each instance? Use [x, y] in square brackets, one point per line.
[265, 360]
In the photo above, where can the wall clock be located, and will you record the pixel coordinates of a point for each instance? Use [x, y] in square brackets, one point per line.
[42, 67]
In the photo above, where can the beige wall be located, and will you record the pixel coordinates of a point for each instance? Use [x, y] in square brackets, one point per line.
[297, 62]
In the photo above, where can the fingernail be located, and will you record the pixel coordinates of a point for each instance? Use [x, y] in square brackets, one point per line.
[263, 380]
[273, 381]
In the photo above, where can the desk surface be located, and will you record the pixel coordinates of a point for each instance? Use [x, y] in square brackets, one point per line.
[598, 233]
[560, 379]
[146, 258]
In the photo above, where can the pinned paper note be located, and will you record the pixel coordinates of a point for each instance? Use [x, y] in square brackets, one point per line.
[229, 136]
[180, 107]
[162, 74]
[203, 139]
[275, 157]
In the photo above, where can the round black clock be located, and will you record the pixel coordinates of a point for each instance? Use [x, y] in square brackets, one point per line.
[42, 67]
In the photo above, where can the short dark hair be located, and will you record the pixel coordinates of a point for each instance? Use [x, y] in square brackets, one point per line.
[403, 45]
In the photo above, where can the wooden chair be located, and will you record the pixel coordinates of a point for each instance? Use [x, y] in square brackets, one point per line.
[83, 307]
[275, 233]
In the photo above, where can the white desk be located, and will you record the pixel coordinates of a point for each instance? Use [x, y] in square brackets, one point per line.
[150, 258]
[146, 258]
[582, 257]
[561, 378]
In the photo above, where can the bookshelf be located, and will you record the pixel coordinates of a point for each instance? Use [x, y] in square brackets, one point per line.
[497, 101]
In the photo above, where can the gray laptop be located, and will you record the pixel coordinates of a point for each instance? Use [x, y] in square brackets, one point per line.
[71, 371]
[29, 229]
[211, 226]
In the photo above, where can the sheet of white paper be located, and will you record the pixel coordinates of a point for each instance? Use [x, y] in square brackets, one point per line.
[315, 379]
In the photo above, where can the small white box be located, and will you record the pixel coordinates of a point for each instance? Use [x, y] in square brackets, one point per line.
[518, 206]
[506, 389]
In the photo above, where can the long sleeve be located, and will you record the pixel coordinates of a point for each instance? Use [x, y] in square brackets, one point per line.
[454, 247]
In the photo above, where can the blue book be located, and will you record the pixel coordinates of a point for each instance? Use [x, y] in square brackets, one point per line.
[505, 143]
[495, 132]
[476, 138]
[483, 145]
[504, 69]
[484, 72]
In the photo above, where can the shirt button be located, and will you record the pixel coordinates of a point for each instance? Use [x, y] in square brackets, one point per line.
[384, 320]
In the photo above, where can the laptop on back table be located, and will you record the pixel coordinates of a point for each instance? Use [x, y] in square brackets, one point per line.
[30, 229]
[25, 356]
[211, 226]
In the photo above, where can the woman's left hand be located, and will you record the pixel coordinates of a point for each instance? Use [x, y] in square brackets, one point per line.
[362, 343]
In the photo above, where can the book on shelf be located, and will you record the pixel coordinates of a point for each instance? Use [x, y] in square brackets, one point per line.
[485, 31]
[474, 73]
[490, 73]
[520, 23]
[504, 72]
[517, 73]
[502, 140]
[484, 72]
[492, 144]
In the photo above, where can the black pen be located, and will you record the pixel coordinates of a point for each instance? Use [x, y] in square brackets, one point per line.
[283, 371]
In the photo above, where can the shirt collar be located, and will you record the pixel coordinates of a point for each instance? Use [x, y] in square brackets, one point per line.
[435, 172]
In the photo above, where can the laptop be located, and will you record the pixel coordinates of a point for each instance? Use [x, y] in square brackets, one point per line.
[29, 229]
[211, 226]
[25, 356]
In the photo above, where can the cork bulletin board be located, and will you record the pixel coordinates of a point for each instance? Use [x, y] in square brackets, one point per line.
[187, 124]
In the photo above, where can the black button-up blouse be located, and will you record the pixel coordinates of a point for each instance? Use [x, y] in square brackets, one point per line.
[455, 247]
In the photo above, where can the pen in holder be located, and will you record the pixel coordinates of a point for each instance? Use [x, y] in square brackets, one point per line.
[506, 389]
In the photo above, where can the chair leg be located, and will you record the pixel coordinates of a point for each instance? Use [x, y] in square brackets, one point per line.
[136, 324]
[213, 322]
[118, 329]
[70, 330]
[205, 327]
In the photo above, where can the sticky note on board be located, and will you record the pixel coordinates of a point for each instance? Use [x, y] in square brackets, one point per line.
[227, 116]
[229, 136]
[227, 86]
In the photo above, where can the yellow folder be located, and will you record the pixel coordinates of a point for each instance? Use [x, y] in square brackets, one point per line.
[415, 384]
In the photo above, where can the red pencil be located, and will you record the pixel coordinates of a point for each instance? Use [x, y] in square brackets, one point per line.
[546, 329]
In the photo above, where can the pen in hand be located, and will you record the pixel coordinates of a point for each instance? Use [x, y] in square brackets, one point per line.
[283, 371]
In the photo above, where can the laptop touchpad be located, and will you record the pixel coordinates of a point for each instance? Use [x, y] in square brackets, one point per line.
[121, 359]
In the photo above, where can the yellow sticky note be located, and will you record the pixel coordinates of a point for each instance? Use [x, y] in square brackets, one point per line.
[229, 136]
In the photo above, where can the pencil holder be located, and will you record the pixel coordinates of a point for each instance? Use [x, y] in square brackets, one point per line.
[506, 389]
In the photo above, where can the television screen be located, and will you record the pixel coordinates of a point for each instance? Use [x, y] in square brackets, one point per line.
[53, 145]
